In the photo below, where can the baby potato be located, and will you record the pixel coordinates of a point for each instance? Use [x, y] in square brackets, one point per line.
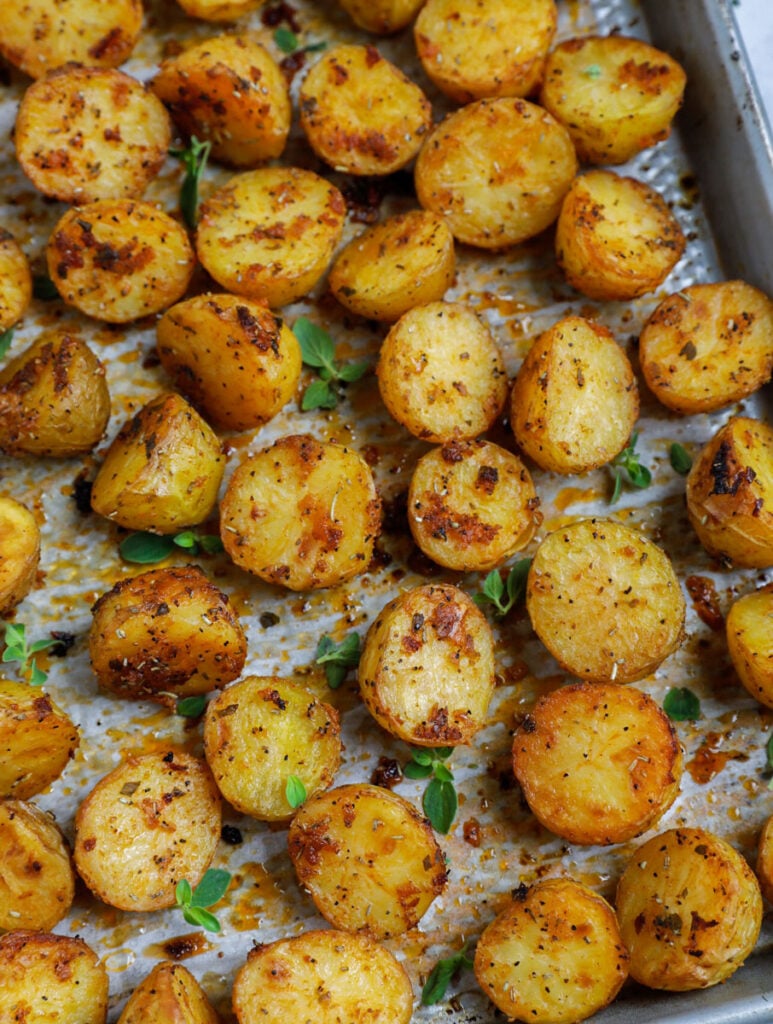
[84, 134]
[362, 114]
[119, 260]
[302, 514]
[407, 260]
[169, 995]
[269, 234]
[53, 398]
[616, 238]
[230, 91]
[152, 821]
[381, 16]
[690, 910]
[163, 470]
[231, 357]
[708, 346]
[367, 857]
[472, 49]
[605, 601]
[15, 281]
[575, 401]
[37, 882]
[165, 634]
[749, 627]
[554, 956]
[598, 763]
[219, 10]
[37, 739]
[615, 95]
[764, 866]
[730, 493]
[441, 374]
[50, 979]
[19, 552]
[344, 977]
[262, 730]
[497, 170]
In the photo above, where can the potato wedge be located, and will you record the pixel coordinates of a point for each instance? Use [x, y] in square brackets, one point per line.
[19, 552]
[764, 865]
[749, 627]
[381, 16]
[37, 740]
[15, 281]
[169, 995]
[219, 10]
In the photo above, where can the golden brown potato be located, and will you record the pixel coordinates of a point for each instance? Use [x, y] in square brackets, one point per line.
[302, 514]
[152, 821]
[19, 552]
[39, 36]
[269, 234]
[50, 979]
[165, 634]
[262, 730]
[575, 400]
[605, 601]
[169, 995]
[53, 398]
[764, 866]
[729, 492]
[708, 346]
[360, 113]
[119, 260]
[231, 357]
[228, 90]
[37, 740]
[84, 134]
[219, 10]
[163, 470]
[749, 626]
[598, 763]
[343, 977]
[497, 170]
[381, 16]
[690, 910]
[15, 281]
[472, 49]
[367, 857]
[554, 956]
[616, 238]
[441, 374]
[615, 95]
[37, 882]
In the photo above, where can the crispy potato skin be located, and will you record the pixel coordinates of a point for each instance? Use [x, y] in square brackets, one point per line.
[37, 740]
[730, 493]
[764, 865]
[19, 552]
[219, 10]
[231, 357]
[367, 857]
[554, 956]
[615, 95]
[169, 995]
[330, 970]
[749, 627]
[15, 281]
[690, 910]
[575, 401]
[54, 398]
[381, 16]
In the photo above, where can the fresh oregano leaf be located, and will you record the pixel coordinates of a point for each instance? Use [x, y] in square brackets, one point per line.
[440, 804]
[212, 887]
[295, 791]
[680, 460]
[146, 548]
[192, 707]
[441, 974]
[5, 341]
[286, 40]
[681, 705]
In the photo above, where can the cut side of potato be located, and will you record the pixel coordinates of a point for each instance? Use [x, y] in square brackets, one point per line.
[381, 16]
[19, 552]
[219, 10]
[37, 740]
[764, 865]
[750, 642]
[169, 995]
[15, 281]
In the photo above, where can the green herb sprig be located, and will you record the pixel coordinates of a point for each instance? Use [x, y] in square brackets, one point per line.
[680, 460]
[191, 707]
[146, 548]
[441, 974]
[288, 43]
[295, 791]
[194, 158]
[16, 649]
[193, 902]
[627, 462]
[440, 801]
[681, 705]
[338, 658]
[504, 595]
[318, 352]
[5, 341]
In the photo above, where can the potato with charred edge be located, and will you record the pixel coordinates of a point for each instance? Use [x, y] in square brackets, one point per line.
[749, 627]
[730, 493]
[19, 552]
[169, 995]
[165, 634]
[37, 740]
[367, 857]
[15, 281]
[54, 398]
[162, 471]
[381, 16]
[49, 979]
[344, 977]
[231, 357]
[575, 401]
[219, 10]
[262, 730]
[690, 910]
[764, 865]
[554, 956]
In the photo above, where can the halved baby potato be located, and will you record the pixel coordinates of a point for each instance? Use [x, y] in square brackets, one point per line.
[764, 865]
[15, 281]
[37, 739]
[169, 995]
[19, 552]
[381, 16]
[749, 626]
[219, 10]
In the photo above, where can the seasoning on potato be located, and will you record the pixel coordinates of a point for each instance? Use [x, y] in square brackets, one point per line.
[219, 10]
[19, 552]
[764, 864]
[381, 16]
[749, 626]
[15, 281]
[169, 993]
[37, 739]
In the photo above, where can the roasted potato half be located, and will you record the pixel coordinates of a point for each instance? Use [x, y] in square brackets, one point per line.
[441, 374]
[163, 470]
[616, 238]
[15, 281]
[367, 857]
[231, 357]
[615, 95]
[749, 627]
[497, 170]
[37, 740]
[575, 401]
[554, 956]
[219, 10]
[381, 16]
[19, 552]
[690, 910]
[54, 398]
[169, 995]
[764, 866]
[730, 493]
[344, 977]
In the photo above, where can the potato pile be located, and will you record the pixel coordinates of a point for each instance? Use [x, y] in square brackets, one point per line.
[363, 434]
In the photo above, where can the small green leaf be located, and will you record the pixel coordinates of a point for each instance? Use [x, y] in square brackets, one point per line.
[317, 347]
[320, 394]
[593, 71]
[412, 770]
[44, 288]
[286, 40]
[183, 893]
[146, 548]
[769, 753]
[516, 582]
[186, 539]
[421, 756]
[201, 917]
[295, 791]
[628, 460]
[443, 773]
[211, 544]
[639, 476]
[37, 675]
[440, 804]
[681, 705]
[441, 975]
[192, 707]
[338, 658]
[351, 372]
[194, 159]
[680, 460]
[15, 634]
[5, 341]
[494, 589]
[211, 888]
[315, 47]
[441, 752]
